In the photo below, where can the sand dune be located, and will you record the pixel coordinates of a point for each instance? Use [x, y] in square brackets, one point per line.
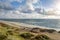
[54, 35]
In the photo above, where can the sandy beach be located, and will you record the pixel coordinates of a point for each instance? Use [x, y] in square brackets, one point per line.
[53, 34]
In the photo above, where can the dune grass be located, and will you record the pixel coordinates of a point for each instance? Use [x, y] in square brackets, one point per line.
[8, 32]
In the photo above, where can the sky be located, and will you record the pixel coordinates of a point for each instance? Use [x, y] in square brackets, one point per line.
[31, 9]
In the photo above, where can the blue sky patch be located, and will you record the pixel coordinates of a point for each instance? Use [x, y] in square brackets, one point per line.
[47, 3]
[15, 4]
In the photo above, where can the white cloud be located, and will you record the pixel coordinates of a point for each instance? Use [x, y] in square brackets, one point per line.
[55, 10]
[5, 5]
[26, 11]
[52, 16]
[32, 1]
[30, 5]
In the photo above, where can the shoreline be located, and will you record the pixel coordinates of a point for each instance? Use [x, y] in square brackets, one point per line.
[28, 25]
[23, 28]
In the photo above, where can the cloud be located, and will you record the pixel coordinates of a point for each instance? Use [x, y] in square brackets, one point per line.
[28, 7]
[28, 10]
[29, 4]
[55, 10]
[22, 15]
[6, 4]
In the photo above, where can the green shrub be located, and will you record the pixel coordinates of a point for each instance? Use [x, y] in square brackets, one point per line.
[3, 25]
[10, 32]
[41, 37]
[2, 37]
[26, 35]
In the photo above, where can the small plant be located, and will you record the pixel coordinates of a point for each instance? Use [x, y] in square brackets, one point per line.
[26, 35]
[2, 37]
[41, 37]
[3, 25]
[10, 32]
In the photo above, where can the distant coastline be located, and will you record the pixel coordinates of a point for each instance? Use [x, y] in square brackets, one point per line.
[27, 25]
[44, 23]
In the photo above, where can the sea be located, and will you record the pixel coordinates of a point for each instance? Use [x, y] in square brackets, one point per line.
[48, 23]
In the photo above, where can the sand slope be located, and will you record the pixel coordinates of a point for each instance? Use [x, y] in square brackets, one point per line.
[54, 35]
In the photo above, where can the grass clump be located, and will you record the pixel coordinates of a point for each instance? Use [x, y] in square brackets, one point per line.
[9, 32]
[26, 35]
[41, 37]
[3, 37]
[4, 25]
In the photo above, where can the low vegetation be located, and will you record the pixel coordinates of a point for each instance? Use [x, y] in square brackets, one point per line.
[12, 33]
[26, 35]
[2, 36]
[41, 37]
